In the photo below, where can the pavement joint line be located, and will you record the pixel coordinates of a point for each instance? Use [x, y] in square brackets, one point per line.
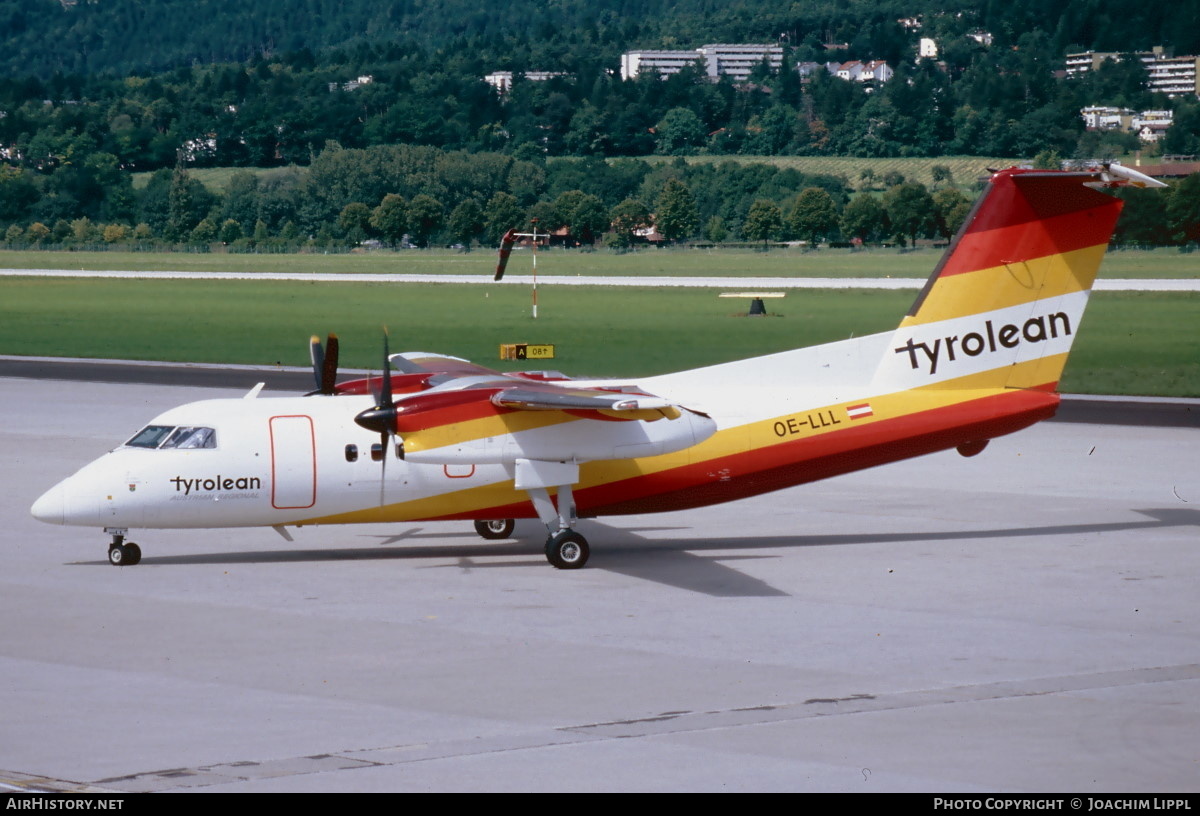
[665, 724]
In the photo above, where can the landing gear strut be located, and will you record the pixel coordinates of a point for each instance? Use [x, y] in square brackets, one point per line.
[565, 548]
[121, 554]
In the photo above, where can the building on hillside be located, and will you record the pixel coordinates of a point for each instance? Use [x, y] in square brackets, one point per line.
[1149, 125]
[663, 63]
[1173, 76]
[858, 71]
[502, 80]
[1101, 117]
[1152, 125]
[351, 85]
[734, 60]
[927, 48]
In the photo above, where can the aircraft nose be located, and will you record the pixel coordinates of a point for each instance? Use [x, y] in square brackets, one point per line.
[50, 507]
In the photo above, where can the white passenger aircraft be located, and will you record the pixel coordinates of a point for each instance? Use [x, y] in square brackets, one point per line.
[979, 355]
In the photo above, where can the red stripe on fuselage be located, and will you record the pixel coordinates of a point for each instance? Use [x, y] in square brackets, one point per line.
[788, 464]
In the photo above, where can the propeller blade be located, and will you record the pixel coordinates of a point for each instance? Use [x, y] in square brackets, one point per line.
[387, 372]
[383, 443]
[317, 355]
[324, 363]
[382, 417]
[329, 370]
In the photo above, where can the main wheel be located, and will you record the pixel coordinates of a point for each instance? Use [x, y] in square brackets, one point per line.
[495, 529]
[567, 550]
[133, 554]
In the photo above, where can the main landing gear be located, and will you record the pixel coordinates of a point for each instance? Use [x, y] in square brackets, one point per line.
[495, 529]
[121, 554]
[565, 548]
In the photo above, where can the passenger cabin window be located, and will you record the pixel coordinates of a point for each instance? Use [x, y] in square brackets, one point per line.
[352, 453]
[184, 437]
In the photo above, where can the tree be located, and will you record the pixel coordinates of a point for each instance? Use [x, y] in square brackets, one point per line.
[952, 210]
[715, 230]
[1183, 210]
[230, 231]
[583, 213]
[501, 214]
[679, 133]
[204, 233]
[812, 216]
[466, 222]
[676, 216]
[425, 215]
[37, 232]
[864, 218]
[910, 210]
[354, 220]
[763, 221]
[187, 202]
[390, 218]
[628, 216]
[941, 174]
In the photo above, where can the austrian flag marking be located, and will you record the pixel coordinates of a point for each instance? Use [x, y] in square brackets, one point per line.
[859, 411]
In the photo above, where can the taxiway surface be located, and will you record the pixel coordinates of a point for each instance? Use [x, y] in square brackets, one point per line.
[1024, 620]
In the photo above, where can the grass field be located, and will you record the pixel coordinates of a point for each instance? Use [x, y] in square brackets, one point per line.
[786, 263]
[965, 170]
[1143, 343]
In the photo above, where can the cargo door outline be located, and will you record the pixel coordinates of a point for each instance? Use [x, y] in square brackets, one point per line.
[293, 462]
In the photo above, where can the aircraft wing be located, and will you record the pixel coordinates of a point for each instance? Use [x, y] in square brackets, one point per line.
[424, 362]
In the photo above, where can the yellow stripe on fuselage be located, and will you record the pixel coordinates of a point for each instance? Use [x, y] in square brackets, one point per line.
[728, 442]
[986, 290]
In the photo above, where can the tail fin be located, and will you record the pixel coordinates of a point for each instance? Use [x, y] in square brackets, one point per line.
[1004, 304]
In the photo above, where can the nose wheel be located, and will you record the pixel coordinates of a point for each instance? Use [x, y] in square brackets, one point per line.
[122, 554]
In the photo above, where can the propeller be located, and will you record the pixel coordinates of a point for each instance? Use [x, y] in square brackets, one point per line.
[324, 362]
[382, 417]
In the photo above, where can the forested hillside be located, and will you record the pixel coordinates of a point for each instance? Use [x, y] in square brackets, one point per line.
[117, 37]
[91, 92]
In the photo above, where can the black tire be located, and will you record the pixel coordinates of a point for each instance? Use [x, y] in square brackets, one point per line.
[495, 529]
[117, 555]
[133, 554]
[567, 550]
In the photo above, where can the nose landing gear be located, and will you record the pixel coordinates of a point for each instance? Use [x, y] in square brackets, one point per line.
[121, 554]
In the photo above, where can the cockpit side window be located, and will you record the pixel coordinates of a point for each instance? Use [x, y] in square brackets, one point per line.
[150, 437]
[191, 437]
[166, 436]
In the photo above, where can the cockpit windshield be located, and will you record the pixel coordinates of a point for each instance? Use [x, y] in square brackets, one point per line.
[167, 436]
